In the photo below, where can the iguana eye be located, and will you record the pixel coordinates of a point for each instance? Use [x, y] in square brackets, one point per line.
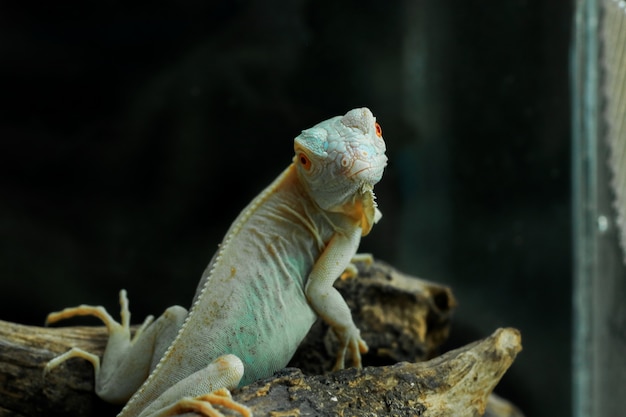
[304, 161]
[379, 130]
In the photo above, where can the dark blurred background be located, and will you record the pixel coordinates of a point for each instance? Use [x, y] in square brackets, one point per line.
[131, 136]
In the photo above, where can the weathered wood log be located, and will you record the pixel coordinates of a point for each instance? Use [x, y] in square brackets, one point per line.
[457, 383]
[401, 318]
[25, 350]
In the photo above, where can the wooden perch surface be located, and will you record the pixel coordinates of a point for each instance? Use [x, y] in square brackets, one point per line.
[401, 318]
[457, 383]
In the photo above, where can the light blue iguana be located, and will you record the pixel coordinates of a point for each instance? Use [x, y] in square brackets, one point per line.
[259, 296]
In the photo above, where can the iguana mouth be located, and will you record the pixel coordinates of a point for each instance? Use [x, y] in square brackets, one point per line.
[354, 174]
[360, 166]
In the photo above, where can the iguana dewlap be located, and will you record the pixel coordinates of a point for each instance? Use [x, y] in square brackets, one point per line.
[271, 277]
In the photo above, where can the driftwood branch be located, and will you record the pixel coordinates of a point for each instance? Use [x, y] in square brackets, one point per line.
[457, 383]
[401, 318]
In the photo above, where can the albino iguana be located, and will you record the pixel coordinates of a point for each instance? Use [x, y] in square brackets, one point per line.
[271, 277]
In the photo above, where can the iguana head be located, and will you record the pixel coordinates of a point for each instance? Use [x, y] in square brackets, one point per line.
[339, 161]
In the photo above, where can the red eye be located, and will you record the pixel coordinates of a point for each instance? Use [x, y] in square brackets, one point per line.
[304, 161]
[379, 130]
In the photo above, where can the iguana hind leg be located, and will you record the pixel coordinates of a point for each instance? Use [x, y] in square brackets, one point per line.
[127, 361]
[201, 391]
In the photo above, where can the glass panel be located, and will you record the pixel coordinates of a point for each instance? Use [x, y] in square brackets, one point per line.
[599, 162]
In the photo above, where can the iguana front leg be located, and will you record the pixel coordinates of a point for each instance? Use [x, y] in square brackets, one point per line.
[328, 302]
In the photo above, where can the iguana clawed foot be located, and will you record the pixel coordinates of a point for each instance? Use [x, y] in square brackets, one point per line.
[203, 405]
[350, 342]
[121, 330]
[102, 314]
[109, 384]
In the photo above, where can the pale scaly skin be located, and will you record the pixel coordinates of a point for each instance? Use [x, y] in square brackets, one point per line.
[270, 278]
